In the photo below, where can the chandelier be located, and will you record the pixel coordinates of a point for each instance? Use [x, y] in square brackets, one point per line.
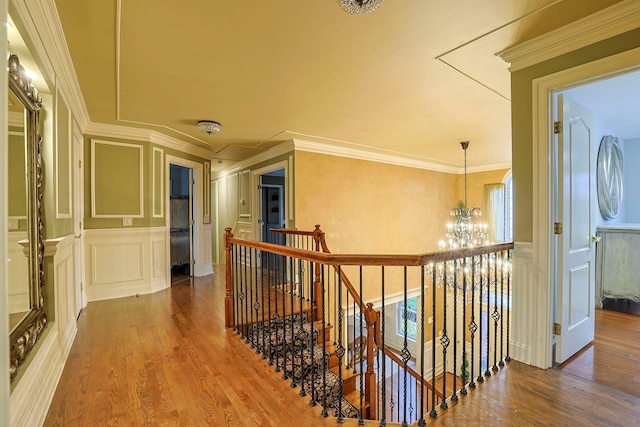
[359, 7]
[209, 126]
[465, 231]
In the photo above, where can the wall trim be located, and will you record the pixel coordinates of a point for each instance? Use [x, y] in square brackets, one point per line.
[157, 168]
[60, 97]
[138, 134]
[140, 148]
[373, 156]
[44, 29]
[276, 151]
[607, 23]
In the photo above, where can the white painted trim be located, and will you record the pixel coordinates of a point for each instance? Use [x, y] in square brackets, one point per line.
[206, 193]
[137, 134]
[291, 190]
[255, 193]
[43, 28]
[271, 153]
[392, 159]
[155, 167]
[544, 89]
[198, 188]
[60, 96]
[148, 281]
[140, 148]
[607, 23]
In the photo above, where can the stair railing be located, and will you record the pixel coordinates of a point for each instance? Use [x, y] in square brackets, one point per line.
[467, 290]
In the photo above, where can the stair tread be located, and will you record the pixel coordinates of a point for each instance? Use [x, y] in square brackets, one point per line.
[354, 399]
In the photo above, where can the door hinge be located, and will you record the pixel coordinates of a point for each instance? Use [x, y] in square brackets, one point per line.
[191, 222]
[557, 228]
[79, 164]
[557, 127]
[192, 182]
[259, 187]
[557, 329]
[192, 262]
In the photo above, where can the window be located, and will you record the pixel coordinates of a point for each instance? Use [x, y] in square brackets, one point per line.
[410, 311]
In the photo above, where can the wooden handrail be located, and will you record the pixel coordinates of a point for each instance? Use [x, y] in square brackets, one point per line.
[371, 260]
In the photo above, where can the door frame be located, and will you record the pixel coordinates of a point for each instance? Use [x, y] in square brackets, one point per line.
[256, 194]
[198, 215]
[544, 90]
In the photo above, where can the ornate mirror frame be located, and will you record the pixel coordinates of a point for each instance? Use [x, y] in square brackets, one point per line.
[25, 335]
[609, 177]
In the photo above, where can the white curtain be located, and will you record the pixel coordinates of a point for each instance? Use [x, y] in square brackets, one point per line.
[494, 211]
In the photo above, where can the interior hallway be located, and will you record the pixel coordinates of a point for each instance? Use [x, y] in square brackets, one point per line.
[167, 359]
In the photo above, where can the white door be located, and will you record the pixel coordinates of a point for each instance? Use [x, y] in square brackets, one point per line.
[575, 253]
[78, 213]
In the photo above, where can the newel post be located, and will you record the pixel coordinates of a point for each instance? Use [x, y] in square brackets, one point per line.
[228, 299]
[372, 318]
[318, 302]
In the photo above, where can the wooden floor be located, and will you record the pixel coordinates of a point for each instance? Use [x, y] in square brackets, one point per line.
[167, 360]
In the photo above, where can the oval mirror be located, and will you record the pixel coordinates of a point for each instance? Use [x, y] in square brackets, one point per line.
[609, 177]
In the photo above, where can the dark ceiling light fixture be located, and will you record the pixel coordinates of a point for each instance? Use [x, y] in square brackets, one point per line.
[359, 7]
[209, 126]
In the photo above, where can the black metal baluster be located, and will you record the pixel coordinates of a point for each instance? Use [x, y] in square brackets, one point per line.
[324, 411]
[473, 327]
[444, 341]
[302, 334]
[406, 355]
[456, 266]
[290, 291]
[510, 299]
[480, 301]
[488, 341]
[340, 349]
[383, 411]
[464, 374]
[278, 319]
[269, 322]
[250, 301]
[495, 315]
[433, 413]
[362, 355]
[312, 341]
[243, 295]
[502, 267]
[236, 298]
[421, 421]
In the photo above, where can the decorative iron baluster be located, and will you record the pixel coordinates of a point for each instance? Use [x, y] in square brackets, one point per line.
[270, 286]
[456, 267]
[503, 266]
[236, 296]
[340, 348]
[324, 411]
[406, 355]
[361, 355]
[444, 340]
[464, 374]
[473, 327]
[433, 413]
[509, 254]
[488, 341]
[250, 301]
[422, 421]
[495, 315]
[383, 412]
[480, 378]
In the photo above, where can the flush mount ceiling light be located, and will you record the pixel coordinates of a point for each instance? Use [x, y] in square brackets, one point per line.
[209, 126]
[359, 7]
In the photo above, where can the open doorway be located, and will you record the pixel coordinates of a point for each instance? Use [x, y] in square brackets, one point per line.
[181, 223]
[272, 205]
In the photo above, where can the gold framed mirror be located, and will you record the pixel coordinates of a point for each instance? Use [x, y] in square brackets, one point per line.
[28, 319]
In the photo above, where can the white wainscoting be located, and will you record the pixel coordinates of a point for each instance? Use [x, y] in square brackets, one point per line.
[32, 396]
[125, 262]
[207, 249]
[524, 307]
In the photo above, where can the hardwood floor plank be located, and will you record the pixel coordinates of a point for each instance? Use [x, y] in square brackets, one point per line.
[166, 359]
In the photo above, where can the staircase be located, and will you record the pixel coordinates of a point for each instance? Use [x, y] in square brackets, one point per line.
[295, 347]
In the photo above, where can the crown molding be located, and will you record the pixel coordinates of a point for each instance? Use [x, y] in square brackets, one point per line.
[607, 23]
[41, 22]
[373, 156]
[146, 135]
[278, 150]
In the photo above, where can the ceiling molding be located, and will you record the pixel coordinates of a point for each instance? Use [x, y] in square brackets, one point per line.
[607, 23]
[139, 134]
[42, 24]
[278, 150]
[372, 156]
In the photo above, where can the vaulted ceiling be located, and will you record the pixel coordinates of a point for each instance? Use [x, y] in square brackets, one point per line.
[411, 79]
